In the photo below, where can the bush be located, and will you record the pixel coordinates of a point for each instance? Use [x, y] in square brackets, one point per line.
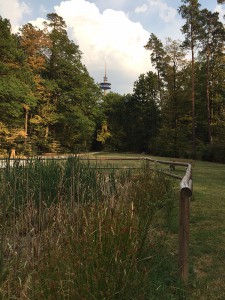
[214, 152]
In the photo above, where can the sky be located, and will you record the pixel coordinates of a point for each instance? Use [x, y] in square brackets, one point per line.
[109, 32]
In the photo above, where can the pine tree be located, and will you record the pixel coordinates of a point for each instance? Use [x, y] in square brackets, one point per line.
[190, 12]
[158, 59]
[211, 39]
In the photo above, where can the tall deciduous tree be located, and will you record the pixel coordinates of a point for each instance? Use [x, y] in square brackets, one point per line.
[15, 84]
[114, 115]
[74, 93]
[144, 113]
[34, 43]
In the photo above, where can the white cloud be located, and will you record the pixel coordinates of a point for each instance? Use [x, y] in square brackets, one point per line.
[221, 12]
[38, 23]
[165, 12]
[109, 36]
[14, 10]
[141, 9]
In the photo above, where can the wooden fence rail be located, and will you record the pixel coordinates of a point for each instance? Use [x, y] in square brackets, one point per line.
[184, 205]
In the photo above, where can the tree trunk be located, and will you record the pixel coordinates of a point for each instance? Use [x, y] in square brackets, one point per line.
[193, 97]
[46, 131]
[159, 87]
[208, 100]
[12, 153]
[175, 109]
[26, 122]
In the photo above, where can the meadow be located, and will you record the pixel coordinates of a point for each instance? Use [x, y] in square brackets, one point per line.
[74, 229]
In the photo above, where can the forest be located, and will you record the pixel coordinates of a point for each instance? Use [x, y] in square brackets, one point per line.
[50, 103]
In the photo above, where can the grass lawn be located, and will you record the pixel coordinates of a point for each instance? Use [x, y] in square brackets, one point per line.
[207, 228]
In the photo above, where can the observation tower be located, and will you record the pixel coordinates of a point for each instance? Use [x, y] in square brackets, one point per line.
[105, 85]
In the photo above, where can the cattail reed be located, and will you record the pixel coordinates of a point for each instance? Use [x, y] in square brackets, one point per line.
[70, 230]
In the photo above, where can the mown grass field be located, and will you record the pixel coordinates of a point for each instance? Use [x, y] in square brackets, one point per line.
[207, 244]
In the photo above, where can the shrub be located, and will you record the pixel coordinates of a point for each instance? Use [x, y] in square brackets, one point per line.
[214, 152]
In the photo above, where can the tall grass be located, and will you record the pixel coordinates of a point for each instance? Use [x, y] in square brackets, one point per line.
[72, 231]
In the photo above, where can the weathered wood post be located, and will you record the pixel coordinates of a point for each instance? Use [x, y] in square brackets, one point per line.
[12, 153]
[184, 215]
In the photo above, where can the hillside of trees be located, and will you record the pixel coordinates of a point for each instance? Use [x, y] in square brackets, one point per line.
[50, 103]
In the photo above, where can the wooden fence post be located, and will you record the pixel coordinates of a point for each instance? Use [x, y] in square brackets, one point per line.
[184, 213]
[184, 216]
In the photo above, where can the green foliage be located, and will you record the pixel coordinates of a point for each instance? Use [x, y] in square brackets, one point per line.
[158, 53]
[214, 152]
[133, 119]
[142, 109]
[49, 102]
[45, 88]
[16, 87]
[75, 130]
[113, 108]
[191, 93]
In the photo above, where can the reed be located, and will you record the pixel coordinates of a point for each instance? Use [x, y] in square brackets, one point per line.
[72, 231]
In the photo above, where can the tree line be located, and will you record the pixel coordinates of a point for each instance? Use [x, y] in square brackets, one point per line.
[50, 103]
[178, 110]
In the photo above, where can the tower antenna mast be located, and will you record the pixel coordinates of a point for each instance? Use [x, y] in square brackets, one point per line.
[105, 85]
